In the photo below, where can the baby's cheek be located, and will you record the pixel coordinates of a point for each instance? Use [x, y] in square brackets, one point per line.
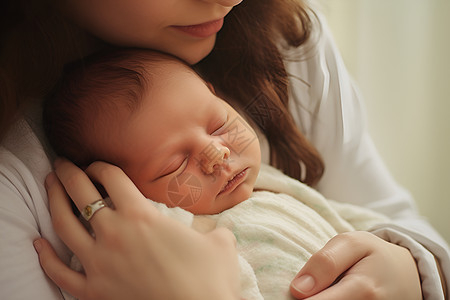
[184, 190]
[155, 192]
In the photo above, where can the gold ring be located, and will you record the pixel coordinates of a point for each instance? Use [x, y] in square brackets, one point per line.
[90, 209]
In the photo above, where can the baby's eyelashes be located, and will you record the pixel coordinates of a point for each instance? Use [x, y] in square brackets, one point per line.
[177, 166]
[221, 128]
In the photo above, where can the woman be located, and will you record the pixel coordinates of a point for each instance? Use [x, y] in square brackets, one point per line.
[267, 53]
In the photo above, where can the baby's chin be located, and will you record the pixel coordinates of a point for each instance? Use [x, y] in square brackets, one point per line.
[241, 195]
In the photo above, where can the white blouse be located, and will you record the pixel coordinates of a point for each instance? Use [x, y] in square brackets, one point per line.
[327, 109]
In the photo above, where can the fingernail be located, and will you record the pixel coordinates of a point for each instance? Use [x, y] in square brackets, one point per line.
[37, 246]
[304, 283]
[50, 179]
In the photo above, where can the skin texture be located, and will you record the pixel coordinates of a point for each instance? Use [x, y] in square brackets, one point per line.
[375, 267]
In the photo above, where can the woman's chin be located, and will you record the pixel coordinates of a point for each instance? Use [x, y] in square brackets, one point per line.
[195, 53]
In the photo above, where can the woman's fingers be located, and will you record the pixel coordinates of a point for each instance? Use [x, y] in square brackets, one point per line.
[67, 279]
[137, 251]
[76, 183]
[348, 288]
[366, 267]
[122, 191]
[66, 224]
[79, 187]
[326, 265]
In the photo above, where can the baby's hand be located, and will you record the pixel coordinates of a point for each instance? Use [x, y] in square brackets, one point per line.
[358, 265]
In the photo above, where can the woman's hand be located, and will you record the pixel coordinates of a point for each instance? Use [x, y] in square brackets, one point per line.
[358, 265]
[137, 252]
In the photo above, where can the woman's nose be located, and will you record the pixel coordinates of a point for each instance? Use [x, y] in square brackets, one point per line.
[213, 157]
[226, 3]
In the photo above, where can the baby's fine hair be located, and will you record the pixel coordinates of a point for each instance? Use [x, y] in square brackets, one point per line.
[96, 89]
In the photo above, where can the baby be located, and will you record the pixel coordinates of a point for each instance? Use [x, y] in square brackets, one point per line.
[154, 117]
[187, 149]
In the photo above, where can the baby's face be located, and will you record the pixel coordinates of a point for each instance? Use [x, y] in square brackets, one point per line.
[186, 147]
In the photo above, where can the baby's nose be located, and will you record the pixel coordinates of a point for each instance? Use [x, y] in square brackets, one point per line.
[214, 158]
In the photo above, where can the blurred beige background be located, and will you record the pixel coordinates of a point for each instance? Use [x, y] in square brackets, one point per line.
[398, 52]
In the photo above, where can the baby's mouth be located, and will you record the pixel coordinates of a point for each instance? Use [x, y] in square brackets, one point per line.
[233, 182]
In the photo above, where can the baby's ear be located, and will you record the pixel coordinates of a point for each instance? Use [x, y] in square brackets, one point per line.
[211, 87]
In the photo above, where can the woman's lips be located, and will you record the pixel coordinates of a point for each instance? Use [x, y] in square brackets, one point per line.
[234, 182]
[202, 30]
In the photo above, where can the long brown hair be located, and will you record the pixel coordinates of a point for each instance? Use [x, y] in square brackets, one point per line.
[36, 42]
[246, 63]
